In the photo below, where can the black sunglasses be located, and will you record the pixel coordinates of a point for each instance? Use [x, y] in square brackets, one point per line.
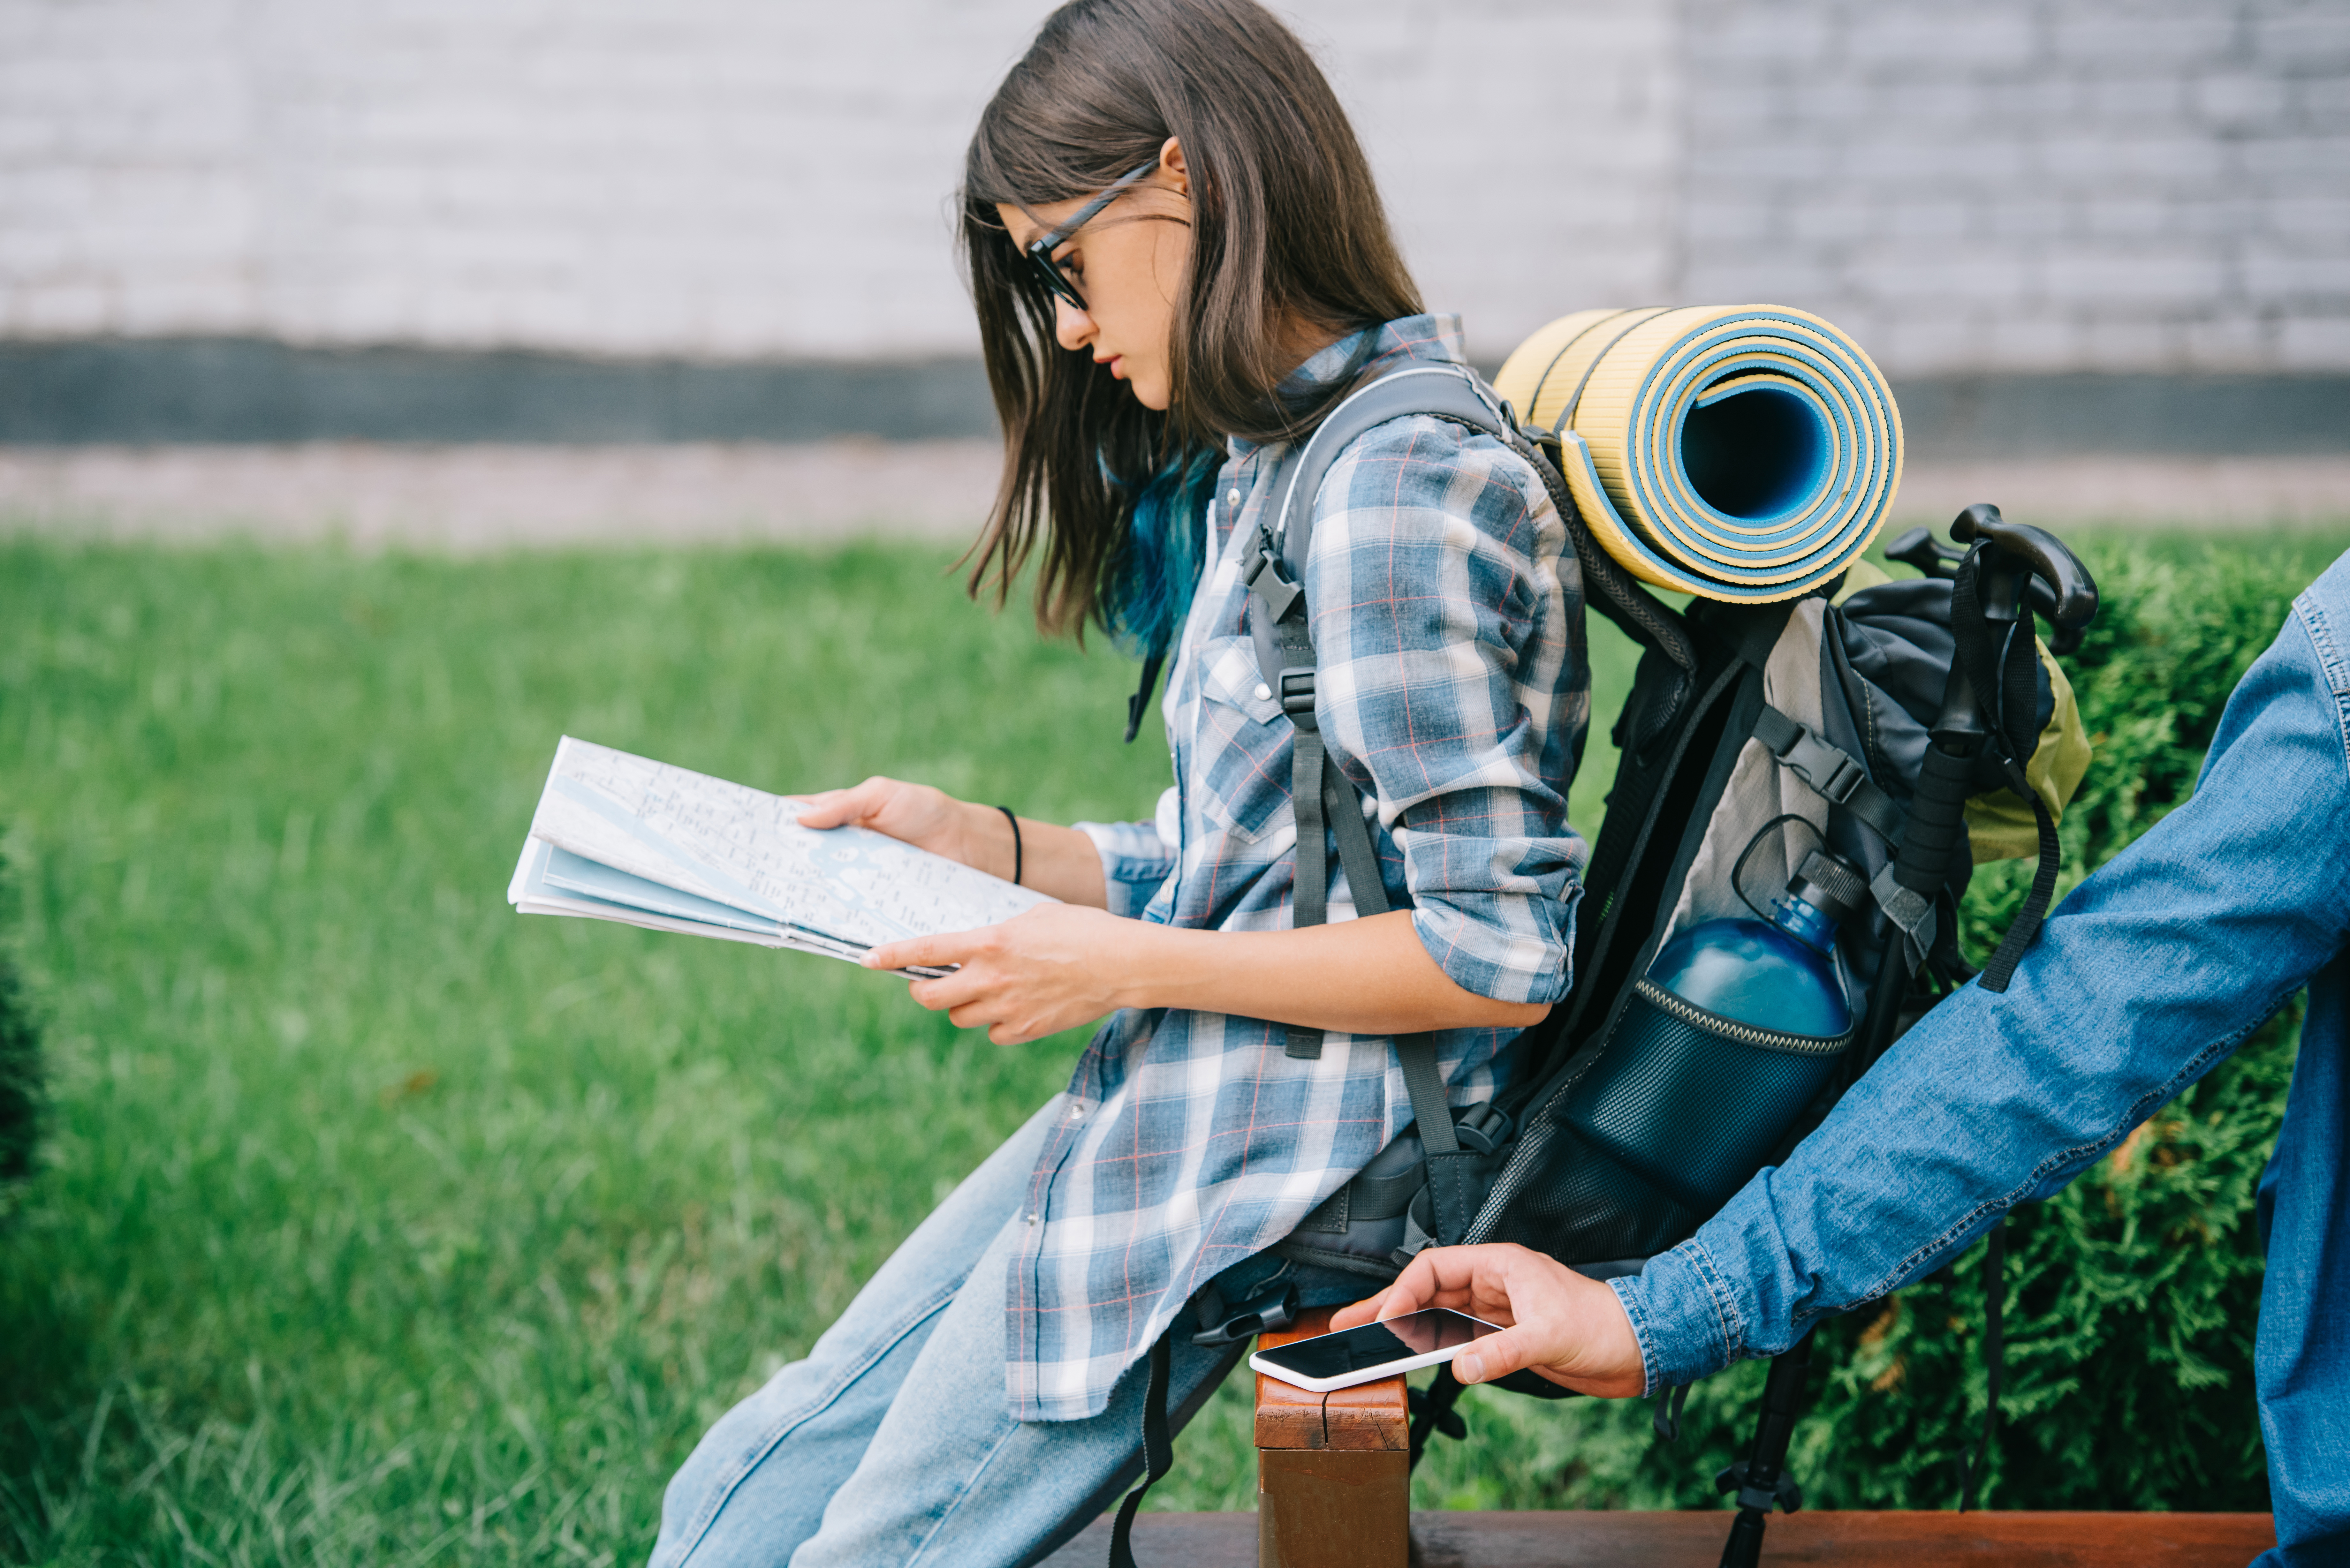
[1040, 250]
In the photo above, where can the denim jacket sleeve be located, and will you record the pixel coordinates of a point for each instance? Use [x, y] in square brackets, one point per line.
[2148, 974]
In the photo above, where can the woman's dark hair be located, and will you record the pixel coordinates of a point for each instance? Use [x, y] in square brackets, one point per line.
[1286, 231]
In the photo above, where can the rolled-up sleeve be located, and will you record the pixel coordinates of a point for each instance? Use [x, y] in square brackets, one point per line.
[1454, 687]
[1135, 861]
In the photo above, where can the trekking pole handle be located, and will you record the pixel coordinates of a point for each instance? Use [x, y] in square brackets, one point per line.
[2072, 602]
[1919, 548]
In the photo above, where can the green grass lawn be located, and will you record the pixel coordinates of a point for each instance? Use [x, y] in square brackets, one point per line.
[380, 1225]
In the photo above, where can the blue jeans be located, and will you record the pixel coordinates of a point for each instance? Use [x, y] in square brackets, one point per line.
[2146, 976]
[892, 1442]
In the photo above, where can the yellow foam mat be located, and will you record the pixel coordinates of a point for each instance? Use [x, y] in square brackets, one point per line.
[1742, 452]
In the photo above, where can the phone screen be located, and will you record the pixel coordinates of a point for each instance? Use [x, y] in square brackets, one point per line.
[1379, 1343]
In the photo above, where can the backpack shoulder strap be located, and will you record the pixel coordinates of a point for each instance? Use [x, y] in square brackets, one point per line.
[1442, 391]
[1276, 570]
[1322, 800]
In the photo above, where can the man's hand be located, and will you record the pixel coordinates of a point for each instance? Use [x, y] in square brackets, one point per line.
[1568, 1329]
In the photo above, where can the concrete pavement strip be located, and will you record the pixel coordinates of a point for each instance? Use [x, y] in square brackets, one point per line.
[465, 499]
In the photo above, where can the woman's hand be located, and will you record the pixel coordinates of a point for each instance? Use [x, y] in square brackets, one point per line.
[1568, 1329]
[918, 815]
[1060, 861]
[1037, 974]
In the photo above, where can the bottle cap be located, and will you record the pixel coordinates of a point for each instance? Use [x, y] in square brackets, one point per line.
[1830, 884]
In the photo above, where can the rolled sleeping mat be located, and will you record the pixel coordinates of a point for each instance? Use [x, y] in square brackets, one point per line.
[1746, 452]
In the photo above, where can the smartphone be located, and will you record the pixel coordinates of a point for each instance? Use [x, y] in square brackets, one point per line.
[1373, 1351]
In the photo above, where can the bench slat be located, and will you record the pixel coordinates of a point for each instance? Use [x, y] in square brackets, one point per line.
[1641, 1539]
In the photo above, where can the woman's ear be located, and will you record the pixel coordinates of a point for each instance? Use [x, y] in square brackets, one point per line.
[1170, 163]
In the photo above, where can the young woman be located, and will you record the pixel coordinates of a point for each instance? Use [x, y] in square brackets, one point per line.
[1180, 264]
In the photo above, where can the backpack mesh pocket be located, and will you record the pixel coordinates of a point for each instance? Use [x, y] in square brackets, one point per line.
[1691, 1101]
[1559, 1195]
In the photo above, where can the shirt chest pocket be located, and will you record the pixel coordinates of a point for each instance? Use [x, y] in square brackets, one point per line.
[1244, 743]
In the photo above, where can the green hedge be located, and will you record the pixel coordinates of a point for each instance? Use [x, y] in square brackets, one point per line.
[20, 1076]
[2132, 1295]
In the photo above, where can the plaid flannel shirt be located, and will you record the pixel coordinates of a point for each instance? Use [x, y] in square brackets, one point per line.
[1453, 690]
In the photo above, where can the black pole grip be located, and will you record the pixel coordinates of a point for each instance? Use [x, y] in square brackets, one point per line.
[1937, 820]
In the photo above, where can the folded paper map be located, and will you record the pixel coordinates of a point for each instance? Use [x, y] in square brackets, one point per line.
[622, 837]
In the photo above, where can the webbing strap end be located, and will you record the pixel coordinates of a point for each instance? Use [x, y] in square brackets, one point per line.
[1910, 911]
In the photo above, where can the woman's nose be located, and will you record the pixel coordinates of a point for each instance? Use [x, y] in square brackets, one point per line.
[1073, 327]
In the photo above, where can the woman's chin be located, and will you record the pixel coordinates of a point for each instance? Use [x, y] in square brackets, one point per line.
[1153, 394]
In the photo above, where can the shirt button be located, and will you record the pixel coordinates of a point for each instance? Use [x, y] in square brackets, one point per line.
[1264, 692]
[1077, 1113]
[1231, 498]
[1032, 1217]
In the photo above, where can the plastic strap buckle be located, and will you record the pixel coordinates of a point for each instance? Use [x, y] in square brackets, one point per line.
[1839, 777]
[1831, 770]
[1297, 691]
[1275, 1306]
[1483, 1128]
[1270, 585]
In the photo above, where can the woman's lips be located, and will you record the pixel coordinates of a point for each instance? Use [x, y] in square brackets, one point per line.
[1116, 363]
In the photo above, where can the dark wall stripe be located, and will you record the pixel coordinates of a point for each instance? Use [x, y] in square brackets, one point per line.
[229, 390]
[1956, 416]
[224, 389]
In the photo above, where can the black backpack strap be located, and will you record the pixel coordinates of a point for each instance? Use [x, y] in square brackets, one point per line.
[1139, 703]
[1158, 1451]
[1452, 1169]
[1442, 391]
[2007, 676]
[1431, 1411]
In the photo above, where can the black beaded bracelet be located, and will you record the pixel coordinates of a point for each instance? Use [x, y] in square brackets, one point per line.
[1014, 821]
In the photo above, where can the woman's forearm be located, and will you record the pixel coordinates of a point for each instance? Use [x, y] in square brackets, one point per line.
[1371, 976]
[1063, 964]
[1053, 859]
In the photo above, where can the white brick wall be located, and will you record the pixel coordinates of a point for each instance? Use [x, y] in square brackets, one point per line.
[1527, 152]
[2003, 183]
[707, 177]
[2029, 184]
[564, 173]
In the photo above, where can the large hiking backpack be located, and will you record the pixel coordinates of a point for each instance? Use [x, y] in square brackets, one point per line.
[1866, 722]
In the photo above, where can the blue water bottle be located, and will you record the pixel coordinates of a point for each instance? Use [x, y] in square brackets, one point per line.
[1780, 974]
[1732, 1033]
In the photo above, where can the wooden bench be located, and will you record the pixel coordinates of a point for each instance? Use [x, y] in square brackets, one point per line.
[1334, 1490]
